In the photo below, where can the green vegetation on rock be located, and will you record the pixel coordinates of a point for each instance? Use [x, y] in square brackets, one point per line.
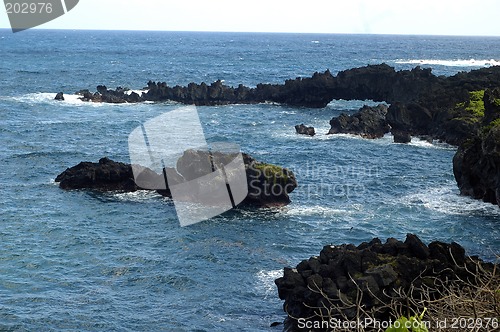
[493, 124]
[497, 102]
[271, 172]
[475, 105]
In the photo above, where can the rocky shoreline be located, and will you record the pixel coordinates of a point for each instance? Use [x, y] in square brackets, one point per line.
[346, 278]
[268, 185]
[461, 110]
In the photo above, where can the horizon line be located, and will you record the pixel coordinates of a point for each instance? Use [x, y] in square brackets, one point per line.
[259, 32]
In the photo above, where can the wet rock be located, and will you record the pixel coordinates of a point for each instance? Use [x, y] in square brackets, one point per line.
[59, 96]
[106, 175]
[369, 122]
[403, 137]
[304, 130]
[268, 185]
[476, 164]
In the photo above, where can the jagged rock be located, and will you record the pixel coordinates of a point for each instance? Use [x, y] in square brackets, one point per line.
[412, 118]
[421, 104]
[369, 122]
[106, 175]
[491, 105]
[268, 185]
[378, 270]
[401, 136]
[304, 130]
[476, 164]
[59, 96]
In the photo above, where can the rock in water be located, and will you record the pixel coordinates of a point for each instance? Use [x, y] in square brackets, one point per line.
[268, 185]
[369, 122]
[304, 130]
[106, 175]
[59, 96]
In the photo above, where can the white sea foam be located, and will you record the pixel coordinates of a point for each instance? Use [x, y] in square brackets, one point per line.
[69, 99]
[452, 63]
[422, 143]
[139, 92]
[266, 281]
[316, 210]
[447, 200]
[46, 97]
[136, 196]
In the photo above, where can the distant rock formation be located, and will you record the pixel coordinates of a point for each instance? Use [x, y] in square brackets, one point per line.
[368, 275]
[305, 130]
[369, 122]
[268, 185]
[420, 102]
[450, 109]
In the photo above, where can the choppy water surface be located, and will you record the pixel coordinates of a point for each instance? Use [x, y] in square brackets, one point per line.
[88, 261]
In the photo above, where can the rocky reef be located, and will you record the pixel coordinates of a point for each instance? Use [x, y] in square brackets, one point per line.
[460, 110]
[421, 104]
[344, 278]
[268, 185]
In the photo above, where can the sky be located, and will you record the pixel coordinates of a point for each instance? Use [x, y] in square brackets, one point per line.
[421, 17]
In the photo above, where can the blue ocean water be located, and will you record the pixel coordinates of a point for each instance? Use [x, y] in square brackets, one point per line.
[86, 261]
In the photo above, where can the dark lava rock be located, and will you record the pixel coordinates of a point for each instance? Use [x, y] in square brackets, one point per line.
[59, 96]
[106, 175]
[476, 164]
[412, 118]
[268, 185]
[401, 136]
[304, 130]
[369, 122]
[370, 275]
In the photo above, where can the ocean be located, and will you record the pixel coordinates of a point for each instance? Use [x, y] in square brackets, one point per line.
[87, 261]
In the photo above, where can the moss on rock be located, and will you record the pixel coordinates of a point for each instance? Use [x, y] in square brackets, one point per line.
[475, 104]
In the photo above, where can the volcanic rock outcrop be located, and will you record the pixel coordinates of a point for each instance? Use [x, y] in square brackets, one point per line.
[268, 185]
[369, 122]
[450, 109]
[345, 278]
[476, 165]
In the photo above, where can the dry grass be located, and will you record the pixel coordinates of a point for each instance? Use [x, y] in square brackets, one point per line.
[458, 305]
